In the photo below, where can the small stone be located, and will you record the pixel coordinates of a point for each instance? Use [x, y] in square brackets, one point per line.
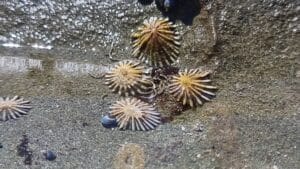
[84, 124]
[198, 127]
[49, 155]
[1, 146]
[182, 128]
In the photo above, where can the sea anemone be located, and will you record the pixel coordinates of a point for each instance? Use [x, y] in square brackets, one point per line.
[191, 87]
[13, 108]
[156, 42]
[127, 78]
[134, 114]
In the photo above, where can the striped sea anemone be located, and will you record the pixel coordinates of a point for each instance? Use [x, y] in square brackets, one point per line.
[191, 87]
[134, 114]
[156, 42]
[127, 78]
[13, 108]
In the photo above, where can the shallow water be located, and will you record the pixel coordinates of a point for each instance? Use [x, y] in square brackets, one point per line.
[250, 47]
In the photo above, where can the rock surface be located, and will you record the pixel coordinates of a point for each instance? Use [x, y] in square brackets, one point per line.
[251, 48]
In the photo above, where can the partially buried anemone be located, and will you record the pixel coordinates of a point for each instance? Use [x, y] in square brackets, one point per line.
[156, 42]
[134, 114]
[127, 78]
[192, 87]
[13, 108]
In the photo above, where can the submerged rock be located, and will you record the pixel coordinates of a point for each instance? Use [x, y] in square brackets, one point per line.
[182, 10]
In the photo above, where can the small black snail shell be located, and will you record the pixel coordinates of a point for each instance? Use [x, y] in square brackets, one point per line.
[108, 122]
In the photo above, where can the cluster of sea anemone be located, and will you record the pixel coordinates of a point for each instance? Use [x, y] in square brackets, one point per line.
[128, 79]
[156, 43]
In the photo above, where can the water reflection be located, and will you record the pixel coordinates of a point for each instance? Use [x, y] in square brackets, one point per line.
[75, 69]
[9, 64]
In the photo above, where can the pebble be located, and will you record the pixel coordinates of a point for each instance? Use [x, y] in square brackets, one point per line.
[182, 128]
[198, 127]
[49, 155]
[108, 122]
[1, 146]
